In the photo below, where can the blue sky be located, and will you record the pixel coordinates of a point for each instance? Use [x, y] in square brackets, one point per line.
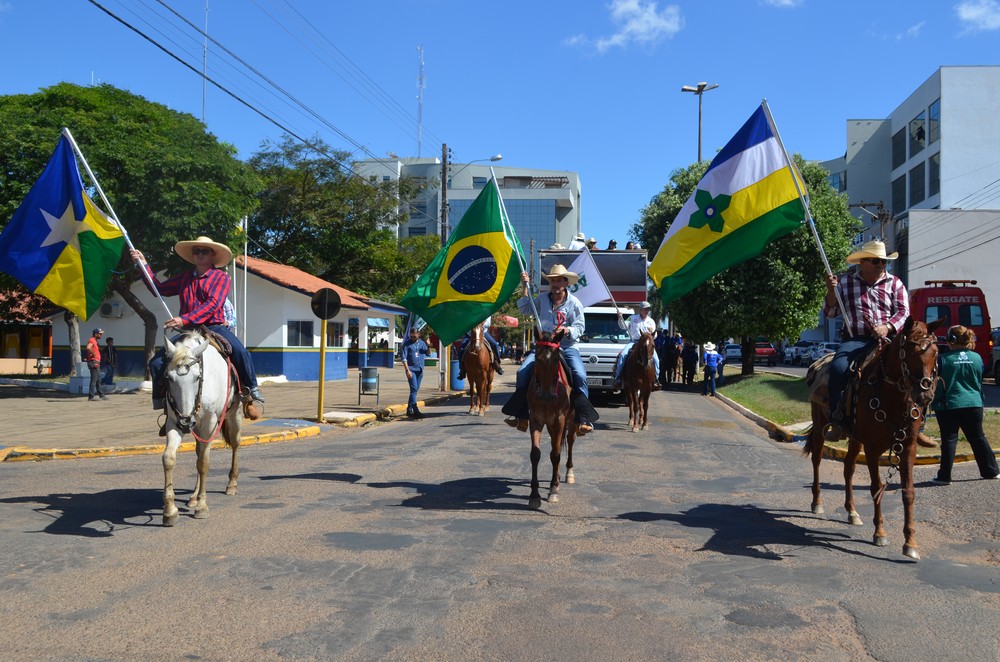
[592, 87]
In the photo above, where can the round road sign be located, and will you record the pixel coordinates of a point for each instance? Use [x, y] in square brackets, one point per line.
[326, 303]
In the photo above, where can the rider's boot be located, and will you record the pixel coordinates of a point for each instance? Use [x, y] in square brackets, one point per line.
[252, 402]
[835, 430]
[461, 371]
[496, 367]
[517, 409]
[586, 415]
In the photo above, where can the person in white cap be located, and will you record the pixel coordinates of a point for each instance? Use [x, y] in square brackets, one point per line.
[557, 311]
[636, 324]
[877, 305]
[578, 243]
[202, 293]
[713, 363]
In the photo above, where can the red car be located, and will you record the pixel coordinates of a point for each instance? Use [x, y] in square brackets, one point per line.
[764, 352]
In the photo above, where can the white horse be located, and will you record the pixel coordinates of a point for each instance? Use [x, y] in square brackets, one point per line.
[202, 398]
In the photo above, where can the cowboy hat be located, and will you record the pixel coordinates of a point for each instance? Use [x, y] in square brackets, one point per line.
[592, 240]
[874, 249]
[556, 247]
[559, 271]
[709, 347]
[644, 305]
[580, 236]
[222, 253]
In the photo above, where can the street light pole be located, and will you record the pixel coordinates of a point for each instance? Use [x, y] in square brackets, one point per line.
[699, 91]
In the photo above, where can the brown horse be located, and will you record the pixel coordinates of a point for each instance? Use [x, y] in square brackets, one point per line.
[638, 377]
[478, 364]
[896, 385]
[550, 406]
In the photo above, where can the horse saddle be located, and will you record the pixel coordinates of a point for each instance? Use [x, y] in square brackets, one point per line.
[218, 342]
[818, 381]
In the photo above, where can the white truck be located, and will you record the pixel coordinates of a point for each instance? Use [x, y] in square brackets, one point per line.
[624, 272]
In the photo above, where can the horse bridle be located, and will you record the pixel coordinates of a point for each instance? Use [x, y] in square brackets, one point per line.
[201, 383]
[555, 380]
[904, 384]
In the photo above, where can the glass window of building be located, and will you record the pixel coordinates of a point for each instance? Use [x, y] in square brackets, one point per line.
[899, 194]
[918, 134]
[918, 191]
[934, 122]
[838, 180]
[934, 174]
[335, 334]
[899, 149]
[300, 333]
[417, 231]
[479, 182]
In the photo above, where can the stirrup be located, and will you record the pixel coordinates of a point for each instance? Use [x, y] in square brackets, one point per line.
[252, 410]
[833, 432]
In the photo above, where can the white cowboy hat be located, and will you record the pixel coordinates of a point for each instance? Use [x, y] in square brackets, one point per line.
[580, 236]
[644, 305]
[592, 240]
[556, 247]
[222, 253]
[874, 249]
[559, 271]
[709, 347]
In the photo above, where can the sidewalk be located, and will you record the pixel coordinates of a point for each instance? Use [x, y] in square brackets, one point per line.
[48, 424]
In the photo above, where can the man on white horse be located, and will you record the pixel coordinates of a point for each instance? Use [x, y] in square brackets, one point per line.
[203, 293]
[635, 325]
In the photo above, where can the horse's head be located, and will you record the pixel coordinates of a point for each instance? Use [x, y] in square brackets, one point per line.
[476, 339]
[913, 357]
[546, 366]
[645, 348]
[184, 375]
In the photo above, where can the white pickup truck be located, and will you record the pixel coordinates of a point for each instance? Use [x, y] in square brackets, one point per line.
[624, 272]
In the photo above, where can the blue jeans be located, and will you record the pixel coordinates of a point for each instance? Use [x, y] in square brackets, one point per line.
[240, 358]
[416, 376]
[709, 381]
[575, 364]
[848, 351]
[620, 362]
[467, 339]
[107, 375]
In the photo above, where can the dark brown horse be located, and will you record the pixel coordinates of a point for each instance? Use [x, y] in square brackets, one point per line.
[638, 377]
[478, 364]
[894, 390]
[550, 406]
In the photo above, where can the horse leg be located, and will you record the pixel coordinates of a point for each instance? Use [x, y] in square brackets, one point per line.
[554, 457]
[570, 438]
[169, 463]
[645, 410]
[850, 462]
[231, 431]
[907, 460]
[489, 390]
[535, 498]
[201, 507]
[871, 455]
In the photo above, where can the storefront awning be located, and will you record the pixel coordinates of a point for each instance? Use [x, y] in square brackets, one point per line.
[378, 323]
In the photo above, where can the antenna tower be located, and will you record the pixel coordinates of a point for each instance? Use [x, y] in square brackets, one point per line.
[421, 79]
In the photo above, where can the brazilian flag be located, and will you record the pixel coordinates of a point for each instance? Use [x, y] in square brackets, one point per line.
[474, 274]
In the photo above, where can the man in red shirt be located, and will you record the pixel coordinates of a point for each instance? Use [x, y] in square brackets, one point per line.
[94, 364]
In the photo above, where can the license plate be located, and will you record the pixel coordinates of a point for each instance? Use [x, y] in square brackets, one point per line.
[594, 381]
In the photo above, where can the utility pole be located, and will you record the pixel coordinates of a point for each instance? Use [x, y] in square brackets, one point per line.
[880, 216]
[444, 193]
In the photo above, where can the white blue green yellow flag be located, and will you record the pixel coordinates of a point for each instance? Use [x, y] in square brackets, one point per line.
[747, 199]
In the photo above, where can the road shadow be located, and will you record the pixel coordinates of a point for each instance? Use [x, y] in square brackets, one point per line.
[750, 531]
[333, 477]
[482, 493]
[73, 514]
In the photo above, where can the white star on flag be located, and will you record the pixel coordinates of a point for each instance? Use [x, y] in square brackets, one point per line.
[64, 229]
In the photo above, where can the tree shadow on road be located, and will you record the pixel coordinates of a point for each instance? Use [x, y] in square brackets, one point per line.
[98, 514]
[482, 493]
[751, 531]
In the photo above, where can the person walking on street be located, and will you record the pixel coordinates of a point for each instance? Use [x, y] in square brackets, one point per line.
[413, 351]
[958, 404]
[877, 305]
[712, 362]
[93, 357]
[109, 360]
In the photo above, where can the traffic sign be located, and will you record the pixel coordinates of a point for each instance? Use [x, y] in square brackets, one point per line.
[326, 303]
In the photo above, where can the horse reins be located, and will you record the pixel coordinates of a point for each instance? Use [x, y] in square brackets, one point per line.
[552, 345]
[197, 398]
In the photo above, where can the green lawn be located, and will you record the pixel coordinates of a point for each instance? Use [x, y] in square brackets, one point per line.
[785, 401]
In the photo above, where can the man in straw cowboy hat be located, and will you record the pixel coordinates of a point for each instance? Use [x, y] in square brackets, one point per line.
[203, 293]
[877, 305]
[636, 324]
[557, 311]
[579, 241]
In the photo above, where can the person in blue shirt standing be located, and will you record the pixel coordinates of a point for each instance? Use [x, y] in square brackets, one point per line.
[413, 351]
[712, 362]
[958, 403]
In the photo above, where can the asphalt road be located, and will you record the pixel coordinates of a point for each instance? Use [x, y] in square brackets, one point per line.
[413, 541]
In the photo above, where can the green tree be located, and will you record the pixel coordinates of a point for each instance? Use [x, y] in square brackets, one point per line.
[165, 176]
[777, 294]
[317, 215]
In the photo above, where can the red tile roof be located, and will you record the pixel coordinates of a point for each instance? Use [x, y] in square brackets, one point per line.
[19, 305]
[300, 281]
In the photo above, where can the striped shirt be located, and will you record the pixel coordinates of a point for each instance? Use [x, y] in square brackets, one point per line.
[885, 302]
[202, 297]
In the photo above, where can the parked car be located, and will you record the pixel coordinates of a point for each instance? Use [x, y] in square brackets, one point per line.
[821, 349]
[796, 352]
[732, 353]
[764, 352]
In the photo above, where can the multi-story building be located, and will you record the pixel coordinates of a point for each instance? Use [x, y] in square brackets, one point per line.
[934, 164]
[543, 205]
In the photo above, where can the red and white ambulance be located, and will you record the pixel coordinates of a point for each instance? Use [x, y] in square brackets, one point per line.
[955, 302]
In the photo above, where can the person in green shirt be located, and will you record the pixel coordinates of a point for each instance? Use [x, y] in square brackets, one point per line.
[958, 403]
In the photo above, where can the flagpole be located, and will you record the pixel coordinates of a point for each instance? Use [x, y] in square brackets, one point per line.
[517, 244]
[808, 215]
[111, 212]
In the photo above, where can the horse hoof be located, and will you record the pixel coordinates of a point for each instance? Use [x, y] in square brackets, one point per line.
[880, 541]
[553, 498]
[201, 514]
[635, 429]
[911, 552]
[646, 426]
[170, 520]
[192, 503]
[535, 503]
[570, 478]
[817, 509]
[854, 519]
[230, 491]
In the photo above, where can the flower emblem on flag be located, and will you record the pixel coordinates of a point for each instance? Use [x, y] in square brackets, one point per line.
[709, 210]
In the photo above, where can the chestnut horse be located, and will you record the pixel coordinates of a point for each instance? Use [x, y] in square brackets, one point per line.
[895, 387]
[638, 377]
[550, 405]
[478, 363]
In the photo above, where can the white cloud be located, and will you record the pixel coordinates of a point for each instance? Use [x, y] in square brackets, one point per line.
[911, 32]
[638, 22]
[979, 15]
[5, 6]
[784, 3]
